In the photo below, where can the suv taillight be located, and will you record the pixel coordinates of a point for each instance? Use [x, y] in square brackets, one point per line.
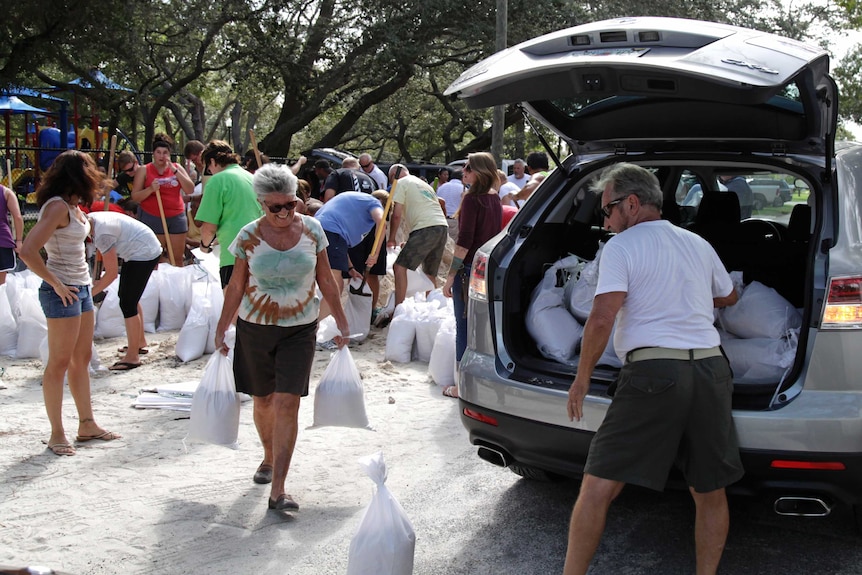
[478, 285]
[843, 307]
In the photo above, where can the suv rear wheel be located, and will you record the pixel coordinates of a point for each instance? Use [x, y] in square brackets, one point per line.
[759, 202]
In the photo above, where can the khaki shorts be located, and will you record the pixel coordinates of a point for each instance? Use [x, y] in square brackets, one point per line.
[669, 412]
[424, 246]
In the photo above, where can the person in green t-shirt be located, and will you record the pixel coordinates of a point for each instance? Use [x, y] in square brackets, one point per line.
[228, 203]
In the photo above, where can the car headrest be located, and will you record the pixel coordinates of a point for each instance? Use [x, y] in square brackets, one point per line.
[799, 226]
[718, 208]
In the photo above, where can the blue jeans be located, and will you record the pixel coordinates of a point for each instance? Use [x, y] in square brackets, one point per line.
[459, 294]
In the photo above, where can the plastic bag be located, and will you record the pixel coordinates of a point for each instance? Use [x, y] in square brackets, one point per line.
[215, 404]
[110, 321]
[32, 325]
[761, 312]
[192, 341]
[555, 331]
[175, 290]
[358, 309]
[339, 398]
[441, 366]
[385, 542]
[8, 326]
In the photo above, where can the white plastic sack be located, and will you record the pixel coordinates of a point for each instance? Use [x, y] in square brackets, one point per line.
[216, 299]
[417, 281]
[385, 542]
[399, 340]
[110, 321]
[32, 325]
[581, 290]
[339, 399]
[150, 303]
[8, 326]
[552, 327]
[192, 341]
[760, 360]
[175, 296]
[761, 312]
[358, 309]
[441, 366]
[427, 324]
[216, 404]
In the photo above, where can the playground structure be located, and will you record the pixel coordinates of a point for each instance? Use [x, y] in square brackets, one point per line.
[35, 136]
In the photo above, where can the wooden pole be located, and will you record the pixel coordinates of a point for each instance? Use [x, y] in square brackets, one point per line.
[11, 187]
[386, 209]
[165, 227]
[113, 149]
[254, 147]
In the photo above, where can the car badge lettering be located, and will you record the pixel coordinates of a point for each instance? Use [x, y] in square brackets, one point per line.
[749, 65]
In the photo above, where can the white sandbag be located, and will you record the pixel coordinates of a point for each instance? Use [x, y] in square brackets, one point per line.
[427, 324]
[552, 327]
[150, 303]
[358, 309]
[32, 325]
[385, 542]
[437, 296]
[760, 360]
[761, 312]
[339, 398]
[399, 340]
[110, 321]
[192, 340]
[441, 366]
[216, 299]
[175, 296]
[216, 404]
[418, 282]
[581, 290]
[8, 325]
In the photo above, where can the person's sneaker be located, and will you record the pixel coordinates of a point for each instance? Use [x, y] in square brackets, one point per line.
[327, 345]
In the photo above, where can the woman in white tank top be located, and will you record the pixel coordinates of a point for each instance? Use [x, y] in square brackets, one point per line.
[65, 292]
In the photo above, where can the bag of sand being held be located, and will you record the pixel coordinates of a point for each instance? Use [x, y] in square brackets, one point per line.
[215, 404]
[385, 542]
[339, 399]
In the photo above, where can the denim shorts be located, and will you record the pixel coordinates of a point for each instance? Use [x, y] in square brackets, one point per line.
[53, 306]
[177, 224]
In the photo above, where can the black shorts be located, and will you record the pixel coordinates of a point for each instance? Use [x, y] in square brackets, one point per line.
[9, 260]
[666, 412]
[224, 274]
[336, 251]
[360, 252]
[271, 358]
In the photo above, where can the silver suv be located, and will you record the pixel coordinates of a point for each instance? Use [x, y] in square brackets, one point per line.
[697, 103]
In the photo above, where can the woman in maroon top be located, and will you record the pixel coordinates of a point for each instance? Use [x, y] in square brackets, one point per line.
[479, 220]
[170, 181]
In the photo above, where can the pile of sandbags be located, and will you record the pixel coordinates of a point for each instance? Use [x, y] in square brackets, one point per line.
[423, 329]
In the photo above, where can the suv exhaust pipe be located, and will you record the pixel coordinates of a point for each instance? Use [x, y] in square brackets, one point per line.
[795, 506]
[494, 455]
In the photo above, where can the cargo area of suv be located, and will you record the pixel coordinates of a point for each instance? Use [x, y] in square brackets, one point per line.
[717, 113]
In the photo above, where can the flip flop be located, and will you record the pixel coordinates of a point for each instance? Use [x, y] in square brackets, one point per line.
[104, 436]
[141, 351]
[451, 391]
[124, 366]
[61, 449]
[284, 502]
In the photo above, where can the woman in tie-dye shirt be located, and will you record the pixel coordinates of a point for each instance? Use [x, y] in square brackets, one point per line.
[279, 258]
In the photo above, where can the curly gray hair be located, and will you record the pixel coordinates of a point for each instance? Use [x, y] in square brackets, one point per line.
[274, 179]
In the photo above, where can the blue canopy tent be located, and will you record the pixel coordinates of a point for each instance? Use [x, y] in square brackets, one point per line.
[101, 81]
[63, 116]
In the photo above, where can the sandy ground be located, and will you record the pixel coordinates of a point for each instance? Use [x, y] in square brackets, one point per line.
[143, 504]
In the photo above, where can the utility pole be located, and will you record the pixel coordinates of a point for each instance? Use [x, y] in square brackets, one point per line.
[499, 122]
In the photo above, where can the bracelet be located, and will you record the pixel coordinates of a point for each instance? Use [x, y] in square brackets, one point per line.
[209, 245]
[457, 264]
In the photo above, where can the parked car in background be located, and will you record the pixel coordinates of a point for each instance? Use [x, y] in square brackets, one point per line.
[768, 192]
[690, 101]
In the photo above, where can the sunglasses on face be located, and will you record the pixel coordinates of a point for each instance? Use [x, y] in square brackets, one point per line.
[365, 166]
[606, 210]
[276, 208]
[129, 169]
[467, 168]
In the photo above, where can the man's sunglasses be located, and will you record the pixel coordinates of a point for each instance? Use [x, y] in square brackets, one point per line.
[606, 211]
[276, 208]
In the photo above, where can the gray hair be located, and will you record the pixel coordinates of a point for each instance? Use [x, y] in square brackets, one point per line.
[274, 179]
[519, 161]
[627, 179]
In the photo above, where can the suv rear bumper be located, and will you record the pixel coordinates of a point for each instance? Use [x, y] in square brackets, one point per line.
[563, 451]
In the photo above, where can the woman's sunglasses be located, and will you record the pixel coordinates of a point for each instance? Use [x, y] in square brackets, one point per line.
[276, 208]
